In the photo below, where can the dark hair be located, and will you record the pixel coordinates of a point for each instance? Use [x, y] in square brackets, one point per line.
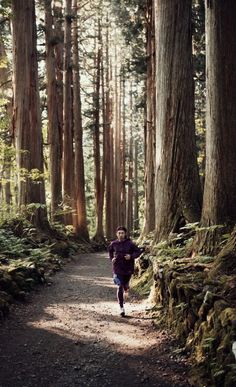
[121, 228]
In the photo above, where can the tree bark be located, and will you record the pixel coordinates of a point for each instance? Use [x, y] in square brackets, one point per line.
[80, 218]
[129, 214]
[68, 154]
[117, 140]
[136, 191]
[149, 217]
[178, 193]
[220, 181]
[59, 48]
[123, 153]
[104, 134]
[109, 169]
[99, 235]
[26, 111]
[7, 111]
[54, 124]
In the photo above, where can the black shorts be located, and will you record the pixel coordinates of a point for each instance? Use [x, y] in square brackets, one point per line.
[122, 279]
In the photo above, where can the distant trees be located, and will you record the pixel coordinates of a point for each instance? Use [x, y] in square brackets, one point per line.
[104, 109]
[75, 108]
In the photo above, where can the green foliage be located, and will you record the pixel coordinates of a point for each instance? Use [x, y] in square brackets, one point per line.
[5, 7]
[130, 16]
[11, 245]
[190, 226]
[142, 285]
[210, 228]
[34, 174]
[3, 64]
[65, 231]
[169, 253]
[205, 259]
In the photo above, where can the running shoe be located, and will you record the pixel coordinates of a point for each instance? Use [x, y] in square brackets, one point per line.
[122, 312]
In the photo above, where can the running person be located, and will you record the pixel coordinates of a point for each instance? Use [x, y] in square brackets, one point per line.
[122, 253]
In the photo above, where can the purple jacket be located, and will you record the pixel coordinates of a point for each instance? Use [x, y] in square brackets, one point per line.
[119, 249]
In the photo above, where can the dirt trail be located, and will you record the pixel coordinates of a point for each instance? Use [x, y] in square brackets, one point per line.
[71, 334]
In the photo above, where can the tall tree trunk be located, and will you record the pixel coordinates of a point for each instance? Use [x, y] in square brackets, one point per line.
[117, 143]
[109, 203]
[68, 154]
[7, 109]
[177, 193]
[26, 111]
[7, 175]
[129, 214]
[80, 218]
[220, 182]
[58, 49]
[136, 193]
[149, 217]
[123, 152]
[104, 133]
[54, 124]
[99, 235]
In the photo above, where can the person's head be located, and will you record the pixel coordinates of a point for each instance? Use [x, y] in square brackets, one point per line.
[121, 232]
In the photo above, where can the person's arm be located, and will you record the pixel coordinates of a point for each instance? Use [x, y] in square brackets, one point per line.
[111, 251]
[136, 251]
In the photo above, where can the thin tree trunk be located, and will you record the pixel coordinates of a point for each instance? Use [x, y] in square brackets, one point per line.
[149, 216]
[80, 218]
[220, 182]
[68, 155]
[59, 48]
[123, 154]
[104, 130]
[8, 194]
[117, 166]
[109, 205]
[129, 215]
[26, 111]
[99, 235]
[177, 193]
[54, 124]
[4, 71]
[136, 193]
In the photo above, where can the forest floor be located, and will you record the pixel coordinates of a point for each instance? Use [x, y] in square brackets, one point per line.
[71, 334]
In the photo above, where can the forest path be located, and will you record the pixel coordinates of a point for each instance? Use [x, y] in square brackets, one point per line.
[71, 334]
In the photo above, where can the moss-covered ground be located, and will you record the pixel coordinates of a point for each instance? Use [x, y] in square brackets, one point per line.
[194, 295]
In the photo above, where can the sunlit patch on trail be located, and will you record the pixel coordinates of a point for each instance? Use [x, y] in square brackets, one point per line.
[99, 321]
[102, 281]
